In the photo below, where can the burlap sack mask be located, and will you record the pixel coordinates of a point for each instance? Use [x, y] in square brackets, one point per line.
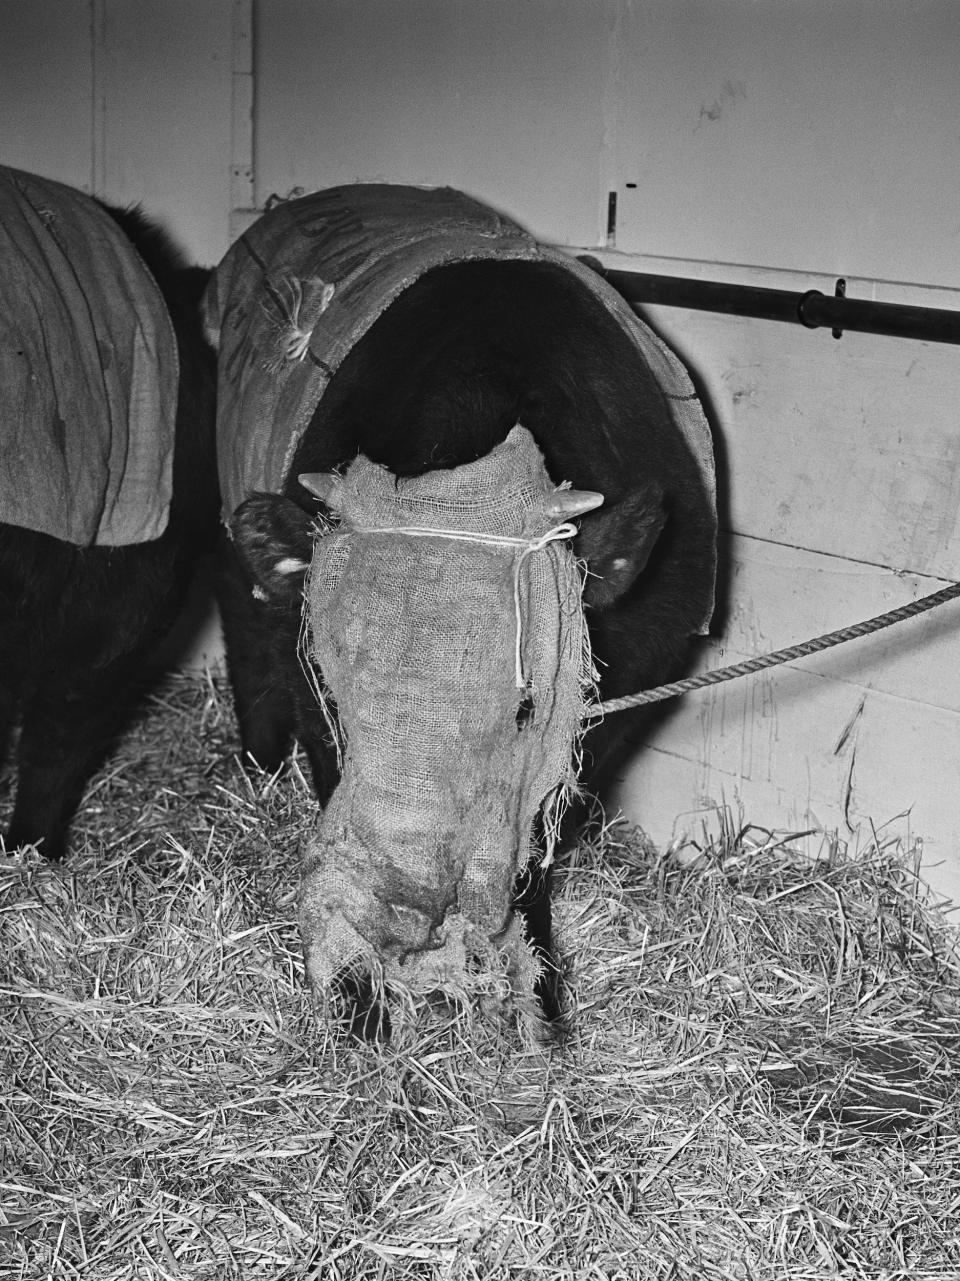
[447, 763]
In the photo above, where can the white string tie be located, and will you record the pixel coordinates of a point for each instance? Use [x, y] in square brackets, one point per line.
[525, 546]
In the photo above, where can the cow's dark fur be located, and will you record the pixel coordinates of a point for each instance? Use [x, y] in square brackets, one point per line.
[76, 623]
[439, 379]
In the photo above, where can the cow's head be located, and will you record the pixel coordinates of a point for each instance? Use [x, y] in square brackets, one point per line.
[444, 612]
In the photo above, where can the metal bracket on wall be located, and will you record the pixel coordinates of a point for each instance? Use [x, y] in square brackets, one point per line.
[839, 291]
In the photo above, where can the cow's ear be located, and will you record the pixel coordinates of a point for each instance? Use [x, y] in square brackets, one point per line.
[274, 538]
[616, 543]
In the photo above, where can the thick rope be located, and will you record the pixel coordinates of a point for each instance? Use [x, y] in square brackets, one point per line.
[719, 674]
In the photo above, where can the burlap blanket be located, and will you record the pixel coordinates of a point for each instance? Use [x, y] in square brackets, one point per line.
[297, 291]
[88, 372]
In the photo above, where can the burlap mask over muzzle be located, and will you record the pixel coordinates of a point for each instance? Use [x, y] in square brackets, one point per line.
[426, 606]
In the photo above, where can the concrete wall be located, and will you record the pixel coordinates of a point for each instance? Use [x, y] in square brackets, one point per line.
[755, 141]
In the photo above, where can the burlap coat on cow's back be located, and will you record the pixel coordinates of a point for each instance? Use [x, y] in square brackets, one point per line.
[298, 290]
[88, 372]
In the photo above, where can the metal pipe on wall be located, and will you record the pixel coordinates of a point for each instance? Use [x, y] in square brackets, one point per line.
[812, 309]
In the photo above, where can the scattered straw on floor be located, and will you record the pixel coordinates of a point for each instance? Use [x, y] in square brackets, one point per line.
[761, 1078]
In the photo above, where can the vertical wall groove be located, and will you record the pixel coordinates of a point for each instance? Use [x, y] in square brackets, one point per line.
[242, 173]
[98, 100]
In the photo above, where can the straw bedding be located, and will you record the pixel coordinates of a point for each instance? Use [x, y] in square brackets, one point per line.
[760, 1078]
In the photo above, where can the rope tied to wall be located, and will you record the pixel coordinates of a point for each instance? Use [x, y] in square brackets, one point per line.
[854, 632]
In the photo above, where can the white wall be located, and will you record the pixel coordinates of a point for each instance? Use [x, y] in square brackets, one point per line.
[496, 97]
[842, 473]
[779, 142]
[46, 89]
[128, 100]
[816, 135]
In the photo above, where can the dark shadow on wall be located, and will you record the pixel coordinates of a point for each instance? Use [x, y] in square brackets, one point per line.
[721, 462]
[646, 722]
[721, 458]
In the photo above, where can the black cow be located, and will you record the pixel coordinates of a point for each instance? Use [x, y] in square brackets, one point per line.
[457, 358]
[78, 621]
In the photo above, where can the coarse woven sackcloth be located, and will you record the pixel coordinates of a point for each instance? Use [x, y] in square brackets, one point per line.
[298, 290]
[447, 763]
[88, 372]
